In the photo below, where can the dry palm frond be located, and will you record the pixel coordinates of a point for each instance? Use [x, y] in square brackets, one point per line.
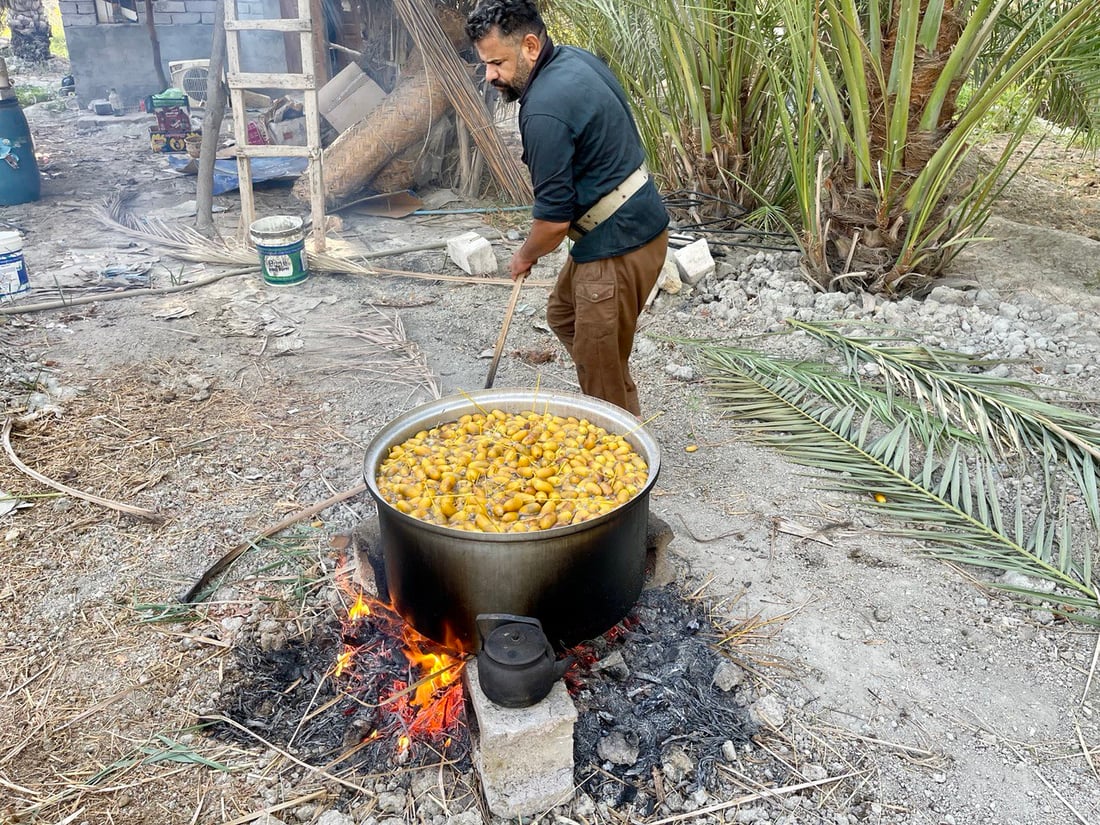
[952, 503]
[448, 70]
[379, 347]
[188, 244]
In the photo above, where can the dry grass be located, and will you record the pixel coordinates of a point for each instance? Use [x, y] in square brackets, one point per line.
[95, 703]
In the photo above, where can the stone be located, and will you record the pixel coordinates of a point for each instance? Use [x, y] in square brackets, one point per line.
[618, 748]
[335, 818]
[392, 802]
[524, 756]
[669, 277]
[614, 665]
[676, 765]
[472, 254]
[694, 261]
[727, 676]
[769, 711]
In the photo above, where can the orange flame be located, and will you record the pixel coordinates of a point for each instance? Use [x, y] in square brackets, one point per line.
[359, 610]
[430, 703]
[344, 660]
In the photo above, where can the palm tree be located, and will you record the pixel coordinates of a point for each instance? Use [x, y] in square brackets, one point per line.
[30, 29]
[891, 203]
[840, 118]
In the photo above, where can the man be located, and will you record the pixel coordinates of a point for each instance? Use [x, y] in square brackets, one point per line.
[587, 167]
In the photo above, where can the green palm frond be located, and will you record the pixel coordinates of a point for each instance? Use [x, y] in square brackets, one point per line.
[1007, 414]
[952, 503]
[840, 390]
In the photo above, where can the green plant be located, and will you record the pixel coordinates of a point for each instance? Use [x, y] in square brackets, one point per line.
[902, 460]
[890, 202]
[845, 121]
[703, 93]
[30, 95]
[59, 47]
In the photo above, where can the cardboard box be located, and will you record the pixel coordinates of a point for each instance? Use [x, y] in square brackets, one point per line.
[348, 98]
[288, 132]
[170, 142]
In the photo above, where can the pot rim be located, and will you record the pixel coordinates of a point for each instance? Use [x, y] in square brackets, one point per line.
[510, 399]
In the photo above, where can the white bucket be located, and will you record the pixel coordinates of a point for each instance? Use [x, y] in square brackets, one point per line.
[280, 240]
[13, 269]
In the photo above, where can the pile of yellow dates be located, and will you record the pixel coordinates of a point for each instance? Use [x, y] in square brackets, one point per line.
[511, 472]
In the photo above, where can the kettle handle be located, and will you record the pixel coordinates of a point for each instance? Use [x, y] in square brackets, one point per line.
[488, 622]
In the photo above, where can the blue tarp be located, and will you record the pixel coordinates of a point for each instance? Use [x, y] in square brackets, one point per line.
[225, 170]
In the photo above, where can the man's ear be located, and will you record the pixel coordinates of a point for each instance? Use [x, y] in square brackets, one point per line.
[530, 46]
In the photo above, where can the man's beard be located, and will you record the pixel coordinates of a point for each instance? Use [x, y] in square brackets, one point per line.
[511, 92]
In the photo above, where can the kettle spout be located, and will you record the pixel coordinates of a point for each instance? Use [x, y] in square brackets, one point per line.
[563, 665]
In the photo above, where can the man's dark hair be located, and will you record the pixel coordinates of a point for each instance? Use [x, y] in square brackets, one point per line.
[512, 17]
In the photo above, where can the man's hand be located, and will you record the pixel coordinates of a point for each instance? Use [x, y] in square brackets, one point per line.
[521, 265]
[544, 238]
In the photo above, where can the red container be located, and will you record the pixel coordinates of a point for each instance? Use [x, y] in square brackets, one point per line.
[173, 119]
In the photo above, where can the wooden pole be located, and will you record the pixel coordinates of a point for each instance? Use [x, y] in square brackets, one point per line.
[212, 127]
[154, 41]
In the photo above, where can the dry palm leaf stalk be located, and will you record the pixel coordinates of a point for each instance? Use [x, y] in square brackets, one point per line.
[188, 244]
[946, 489]
[121, 507]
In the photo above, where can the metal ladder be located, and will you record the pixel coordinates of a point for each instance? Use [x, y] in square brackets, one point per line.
[306, 82]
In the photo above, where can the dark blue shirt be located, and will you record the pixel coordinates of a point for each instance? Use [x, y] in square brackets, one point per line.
[580, 142]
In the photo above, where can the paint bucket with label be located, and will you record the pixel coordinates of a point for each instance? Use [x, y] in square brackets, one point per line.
[281, 243]
[13, 269]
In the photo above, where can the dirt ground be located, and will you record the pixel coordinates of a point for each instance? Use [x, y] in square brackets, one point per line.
[228, 407]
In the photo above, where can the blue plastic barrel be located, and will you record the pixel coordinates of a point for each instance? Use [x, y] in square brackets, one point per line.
[19, 179]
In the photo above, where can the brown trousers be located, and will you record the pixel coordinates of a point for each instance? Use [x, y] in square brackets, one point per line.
[594, 309]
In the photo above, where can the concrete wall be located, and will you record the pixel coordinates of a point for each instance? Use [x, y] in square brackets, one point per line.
[120, 56]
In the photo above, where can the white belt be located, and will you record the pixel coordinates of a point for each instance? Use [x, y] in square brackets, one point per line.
[609, 204]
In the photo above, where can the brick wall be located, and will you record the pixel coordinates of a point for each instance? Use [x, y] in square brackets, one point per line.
[165, 12]
[119, 55]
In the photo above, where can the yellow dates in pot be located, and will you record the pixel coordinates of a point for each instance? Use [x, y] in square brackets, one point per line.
[511, 472]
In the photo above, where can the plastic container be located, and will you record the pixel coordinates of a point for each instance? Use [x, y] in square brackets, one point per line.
[13, 269]
[281, 243]
[19, 178]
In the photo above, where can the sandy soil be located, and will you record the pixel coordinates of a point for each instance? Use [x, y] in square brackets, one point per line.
[227, 407]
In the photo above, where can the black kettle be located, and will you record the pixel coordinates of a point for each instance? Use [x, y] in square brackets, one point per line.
[516, 666]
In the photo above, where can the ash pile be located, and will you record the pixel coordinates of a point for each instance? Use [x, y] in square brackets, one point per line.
[657, 708]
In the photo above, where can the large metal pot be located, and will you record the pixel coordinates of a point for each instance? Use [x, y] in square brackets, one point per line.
[578, 580]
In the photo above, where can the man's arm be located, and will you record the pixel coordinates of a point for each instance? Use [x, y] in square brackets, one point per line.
[544, 238]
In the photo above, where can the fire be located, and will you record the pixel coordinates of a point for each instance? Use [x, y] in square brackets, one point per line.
[359, 610]
[344, 660]
[412, 680]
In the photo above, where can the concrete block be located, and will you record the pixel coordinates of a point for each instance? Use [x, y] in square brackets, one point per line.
[694, 262]
[524, 755]
[472, 254]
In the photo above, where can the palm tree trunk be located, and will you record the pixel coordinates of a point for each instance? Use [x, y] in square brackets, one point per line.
[30, 30]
